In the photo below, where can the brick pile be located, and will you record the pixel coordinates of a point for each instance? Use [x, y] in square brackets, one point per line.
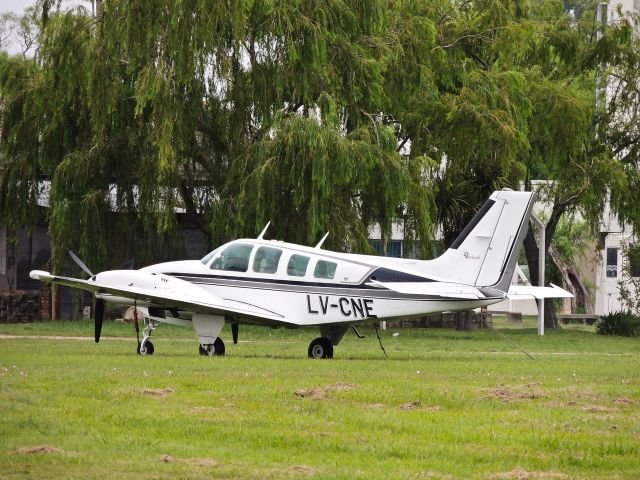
[20, 306]
[465, 320]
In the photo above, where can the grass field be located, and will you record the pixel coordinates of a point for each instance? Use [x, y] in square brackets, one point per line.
[445, 404]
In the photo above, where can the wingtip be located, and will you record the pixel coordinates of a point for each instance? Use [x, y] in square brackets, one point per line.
[39, 275]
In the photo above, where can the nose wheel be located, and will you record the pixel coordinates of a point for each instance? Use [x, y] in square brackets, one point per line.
[145, 347]
[212, 349]
[321, 347]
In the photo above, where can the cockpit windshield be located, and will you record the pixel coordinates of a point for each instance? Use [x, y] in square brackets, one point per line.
[207, 258]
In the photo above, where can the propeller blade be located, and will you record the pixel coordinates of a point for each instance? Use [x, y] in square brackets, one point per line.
[80, 263]
[234, 332]
[99, 316]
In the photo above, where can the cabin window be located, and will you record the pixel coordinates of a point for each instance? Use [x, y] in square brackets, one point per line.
[612, 262]
[297, 266]
[325, 269]
[234, 258]
[266, 260]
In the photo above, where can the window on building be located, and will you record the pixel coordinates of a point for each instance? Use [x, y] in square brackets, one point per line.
[376, 244]
[634, 260]
[394, 248]
[297, 266]
[266, 260]
[234, 258]
[612, 262]
[325, 269]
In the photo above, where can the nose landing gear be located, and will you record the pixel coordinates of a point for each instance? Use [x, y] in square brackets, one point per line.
[145, 347]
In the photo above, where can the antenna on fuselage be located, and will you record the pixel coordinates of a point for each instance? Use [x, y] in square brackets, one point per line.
[322, 241]
[264, 230]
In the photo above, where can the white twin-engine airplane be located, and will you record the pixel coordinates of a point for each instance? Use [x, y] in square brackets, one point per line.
[278, 284]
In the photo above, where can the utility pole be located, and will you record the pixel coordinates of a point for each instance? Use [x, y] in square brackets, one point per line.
[541, 266]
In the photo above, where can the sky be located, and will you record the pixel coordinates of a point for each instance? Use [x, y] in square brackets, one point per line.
[16, 6]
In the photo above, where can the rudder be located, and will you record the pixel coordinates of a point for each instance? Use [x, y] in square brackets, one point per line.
[486, 251]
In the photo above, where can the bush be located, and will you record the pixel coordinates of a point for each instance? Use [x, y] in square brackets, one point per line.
[625, 324]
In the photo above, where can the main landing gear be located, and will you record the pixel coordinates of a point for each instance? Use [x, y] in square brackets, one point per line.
[322, 347]
[213, 349]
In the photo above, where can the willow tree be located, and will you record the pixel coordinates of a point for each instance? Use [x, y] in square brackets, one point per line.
[235, 113]
[516, 87]
[318, 116]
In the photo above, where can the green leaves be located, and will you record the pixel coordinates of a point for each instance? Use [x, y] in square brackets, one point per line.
[320, 116]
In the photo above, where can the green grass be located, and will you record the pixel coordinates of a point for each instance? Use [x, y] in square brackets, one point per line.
[485, 408]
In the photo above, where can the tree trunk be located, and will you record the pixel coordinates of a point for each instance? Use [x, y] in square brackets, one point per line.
[572, 282]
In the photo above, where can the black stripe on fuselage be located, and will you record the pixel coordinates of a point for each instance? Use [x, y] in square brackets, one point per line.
[380, 274]
[313, 288]
[200, 277]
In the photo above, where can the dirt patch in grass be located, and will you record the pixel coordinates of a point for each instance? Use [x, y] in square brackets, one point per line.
[418, 405]
[157, 392]
[622, 401]
[203, 462]
[205, 410]
[374, 405]
[599, 409]
[38, 449]
[320, 393]
[514, 393]
[302, 470]
[411, 405]
[520, 474]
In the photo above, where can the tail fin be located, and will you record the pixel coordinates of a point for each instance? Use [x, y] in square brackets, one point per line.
[486, 252]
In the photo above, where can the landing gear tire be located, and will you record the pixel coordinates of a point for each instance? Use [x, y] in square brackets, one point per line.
[146, 348]
[213, 349]
[320, 348]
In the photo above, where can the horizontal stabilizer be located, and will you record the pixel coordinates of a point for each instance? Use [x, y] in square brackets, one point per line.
[517, 292]
[438, 289]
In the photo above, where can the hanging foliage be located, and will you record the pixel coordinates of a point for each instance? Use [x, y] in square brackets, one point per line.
[333, 115]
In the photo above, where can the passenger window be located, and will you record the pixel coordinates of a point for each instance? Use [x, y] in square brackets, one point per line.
[325, 269]
[297, 265]
[234, 258]
[266, 260]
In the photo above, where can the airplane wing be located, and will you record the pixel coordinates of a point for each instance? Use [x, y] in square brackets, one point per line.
[176, 294]
[518, 292]
[438, 289]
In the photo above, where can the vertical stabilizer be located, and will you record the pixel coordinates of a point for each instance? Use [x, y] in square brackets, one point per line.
[486, 251]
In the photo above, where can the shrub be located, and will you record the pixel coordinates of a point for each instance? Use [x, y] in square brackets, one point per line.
[625, 324]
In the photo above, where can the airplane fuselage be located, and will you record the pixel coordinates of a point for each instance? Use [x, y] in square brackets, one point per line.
[312, 286]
